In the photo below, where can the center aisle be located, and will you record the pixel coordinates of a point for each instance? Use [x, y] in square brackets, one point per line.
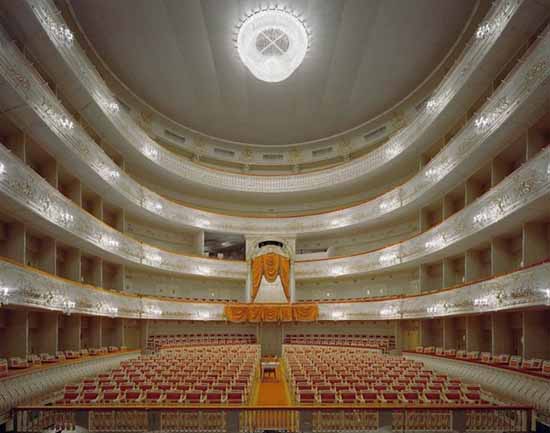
[273, 392]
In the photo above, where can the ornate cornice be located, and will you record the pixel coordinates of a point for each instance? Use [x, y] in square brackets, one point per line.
[135, 139]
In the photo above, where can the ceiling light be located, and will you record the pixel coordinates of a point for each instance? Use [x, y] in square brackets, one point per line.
[2, 168]
[272, 43]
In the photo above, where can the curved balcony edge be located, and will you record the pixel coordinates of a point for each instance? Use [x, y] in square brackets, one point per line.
[515, 385]
[507, 112]
[522, 194]
[121, 129]
[28, 287]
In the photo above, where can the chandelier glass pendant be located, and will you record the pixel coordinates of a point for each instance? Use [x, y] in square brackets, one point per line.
[272, 43]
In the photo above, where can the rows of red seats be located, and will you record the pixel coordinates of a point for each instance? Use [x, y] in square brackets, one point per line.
[207, 374]
[515, 362]
[343, 375]
[155, 342]
[382, 342]
[19, 363]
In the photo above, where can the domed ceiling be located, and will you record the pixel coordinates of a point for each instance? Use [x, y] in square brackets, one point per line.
[364, 57]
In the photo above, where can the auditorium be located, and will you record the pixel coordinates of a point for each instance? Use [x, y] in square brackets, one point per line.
[274, 216]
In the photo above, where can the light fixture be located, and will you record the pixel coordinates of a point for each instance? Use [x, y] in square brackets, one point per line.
[487, 215]
[62, 121]
[272, 43]
[387, 259]
[4, 295]
[151, 152]
[436, 309]
[107, 309]
[153, 204]
[204, 315]
[390, 310]
[484, 121]
[2, 168]
[153, 258]
[113, 107]
[389, 204]
[109, 242]
[61, 32]
[67, 306]
[432, 104]
[435, 243]
[151, 310]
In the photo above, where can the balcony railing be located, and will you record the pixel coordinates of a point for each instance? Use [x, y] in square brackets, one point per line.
[511, 107]
[302, 419]
[135, 140]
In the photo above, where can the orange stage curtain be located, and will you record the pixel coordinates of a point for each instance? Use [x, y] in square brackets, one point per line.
[270, 265]
[271, 313]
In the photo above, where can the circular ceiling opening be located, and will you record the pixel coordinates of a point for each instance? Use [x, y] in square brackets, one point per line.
[272, 44]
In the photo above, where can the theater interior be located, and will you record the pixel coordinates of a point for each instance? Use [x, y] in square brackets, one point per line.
[248, 216]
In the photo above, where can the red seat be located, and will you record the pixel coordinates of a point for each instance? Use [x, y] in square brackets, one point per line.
[452, 397]
[390, 397]
[194, 397]
[348, 397]
[327, 397]
[369, 396]
[153, 396]
[235, 397]
[411, 397]
[133, 395]
[110, 396]
[69, 397]
[89, 397]
[306, 397]
[432, 397]
[214, 397]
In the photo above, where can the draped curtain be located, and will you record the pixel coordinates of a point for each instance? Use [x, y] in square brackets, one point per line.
[270, 266]
[271, 313]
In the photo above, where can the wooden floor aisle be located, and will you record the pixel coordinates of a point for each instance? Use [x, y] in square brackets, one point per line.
[273, 392]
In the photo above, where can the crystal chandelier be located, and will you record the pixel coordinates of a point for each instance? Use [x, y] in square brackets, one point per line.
[272, 42]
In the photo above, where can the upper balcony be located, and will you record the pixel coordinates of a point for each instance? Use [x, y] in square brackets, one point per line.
[470, 75]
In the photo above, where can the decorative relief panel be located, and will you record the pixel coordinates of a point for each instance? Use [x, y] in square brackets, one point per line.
[134, 137]
[480, 133]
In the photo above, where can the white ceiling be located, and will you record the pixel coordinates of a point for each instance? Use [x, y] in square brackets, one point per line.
[179, 56]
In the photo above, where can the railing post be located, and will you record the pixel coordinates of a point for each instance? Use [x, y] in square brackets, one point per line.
[232, 421]
[306, 421]
[458, 420]
[81, 418]
[153, 420]
[385, 420]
